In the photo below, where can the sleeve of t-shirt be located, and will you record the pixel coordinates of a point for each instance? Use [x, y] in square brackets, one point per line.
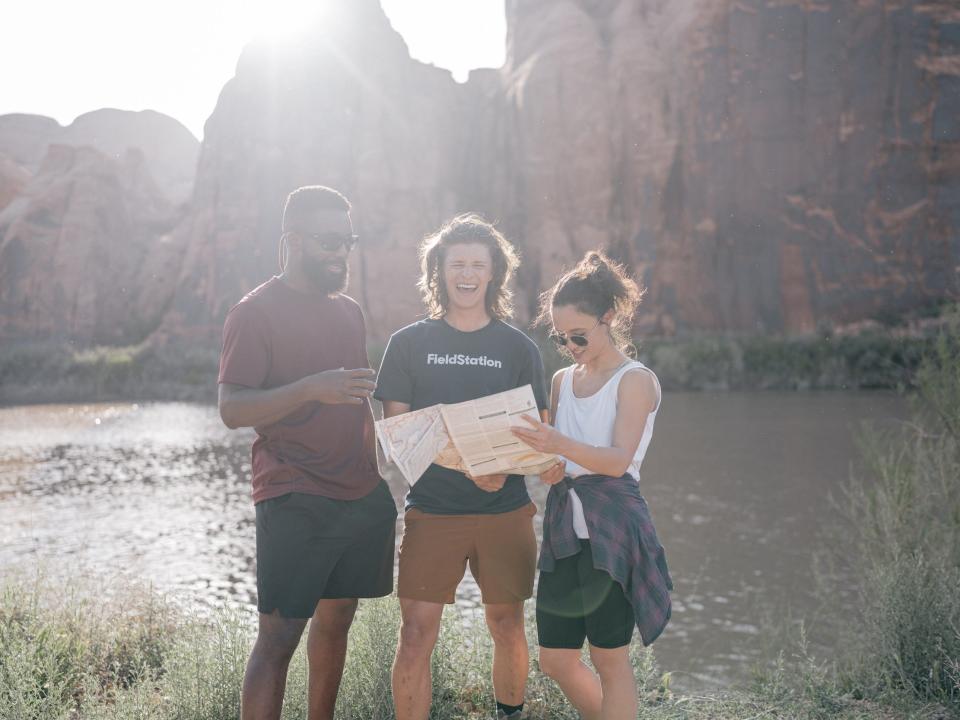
[533, 374]
[245, 354]
[394, 381]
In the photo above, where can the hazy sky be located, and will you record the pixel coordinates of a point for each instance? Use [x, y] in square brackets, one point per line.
[63, 58]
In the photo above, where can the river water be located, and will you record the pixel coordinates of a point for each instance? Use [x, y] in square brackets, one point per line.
[739, 485]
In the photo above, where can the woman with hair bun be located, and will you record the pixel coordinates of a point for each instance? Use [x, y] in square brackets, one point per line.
[602, 569]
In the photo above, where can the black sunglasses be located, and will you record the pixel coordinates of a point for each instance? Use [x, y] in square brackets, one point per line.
[579, 340]
[331, 242]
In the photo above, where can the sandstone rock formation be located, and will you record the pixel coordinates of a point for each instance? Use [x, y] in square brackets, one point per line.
[81, 248]
[346, 107]
[764, 166]
[13, 179]
[168, 147]
[24, 138]
[85, 248]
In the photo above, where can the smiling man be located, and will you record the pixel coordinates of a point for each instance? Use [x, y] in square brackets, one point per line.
[294, 367]
[462, 351]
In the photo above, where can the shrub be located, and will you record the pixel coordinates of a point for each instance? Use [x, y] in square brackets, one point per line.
[903, 538]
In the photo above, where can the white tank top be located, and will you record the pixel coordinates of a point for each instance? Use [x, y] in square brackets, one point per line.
[590, 420]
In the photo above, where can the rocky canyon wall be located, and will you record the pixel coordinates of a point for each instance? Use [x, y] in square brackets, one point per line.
[764, 166]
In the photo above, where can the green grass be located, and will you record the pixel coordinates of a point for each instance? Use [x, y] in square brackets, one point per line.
[118, 652]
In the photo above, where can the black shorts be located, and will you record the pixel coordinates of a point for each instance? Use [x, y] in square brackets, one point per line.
[312, 548]
[576, 602]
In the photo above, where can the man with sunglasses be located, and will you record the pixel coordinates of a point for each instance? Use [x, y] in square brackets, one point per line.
[294, 367]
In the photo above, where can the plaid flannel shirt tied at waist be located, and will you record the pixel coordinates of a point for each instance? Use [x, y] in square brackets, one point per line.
[623, 541]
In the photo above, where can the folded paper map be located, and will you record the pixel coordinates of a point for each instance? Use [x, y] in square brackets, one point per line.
[473, 437]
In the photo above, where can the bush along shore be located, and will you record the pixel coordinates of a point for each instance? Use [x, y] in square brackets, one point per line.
[891, 578]
[876, 358]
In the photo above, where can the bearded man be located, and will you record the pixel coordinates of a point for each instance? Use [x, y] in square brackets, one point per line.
[294, 367]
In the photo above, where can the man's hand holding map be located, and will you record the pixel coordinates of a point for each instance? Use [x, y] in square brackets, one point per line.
[473, 437]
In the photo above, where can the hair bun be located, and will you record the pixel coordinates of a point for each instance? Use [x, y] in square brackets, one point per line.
[596, 285]
[595, 267]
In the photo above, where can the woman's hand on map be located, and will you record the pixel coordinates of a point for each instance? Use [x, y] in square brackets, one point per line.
[554, 474]
[541, 436]
[489, 483]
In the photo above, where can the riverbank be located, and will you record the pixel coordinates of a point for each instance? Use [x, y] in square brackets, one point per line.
[876, 357]
[163, 488]
[70, 648]
[85, 651]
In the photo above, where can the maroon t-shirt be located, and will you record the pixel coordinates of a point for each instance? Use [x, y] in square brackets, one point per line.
[275, 336]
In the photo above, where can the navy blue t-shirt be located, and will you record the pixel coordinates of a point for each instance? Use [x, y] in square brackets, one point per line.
[430, 362]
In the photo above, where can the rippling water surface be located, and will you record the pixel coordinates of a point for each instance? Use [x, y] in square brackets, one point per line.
[738, 485]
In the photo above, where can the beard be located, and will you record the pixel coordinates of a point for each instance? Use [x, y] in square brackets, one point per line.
[324, 276]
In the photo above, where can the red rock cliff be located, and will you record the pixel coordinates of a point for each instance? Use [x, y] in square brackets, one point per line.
[764, 166]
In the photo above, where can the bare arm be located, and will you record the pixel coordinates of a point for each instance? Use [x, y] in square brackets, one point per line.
[636, 399]
[392, 407]
[556, 473]
[251, 407]
[554, 396]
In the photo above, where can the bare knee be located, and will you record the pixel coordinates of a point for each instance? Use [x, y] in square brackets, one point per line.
[558, 663]
[332, 618]
[611, 663]
[416, 640]
[506, 625]
[277, 639]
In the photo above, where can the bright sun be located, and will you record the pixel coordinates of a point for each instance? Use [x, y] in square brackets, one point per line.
[174, 57]
[277, 20]
[459, 35]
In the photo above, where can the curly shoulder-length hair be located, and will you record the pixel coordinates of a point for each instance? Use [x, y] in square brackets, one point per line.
[464, 229]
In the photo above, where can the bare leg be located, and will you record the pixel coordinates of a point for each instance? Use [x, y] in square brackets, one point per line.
[618, 683]
[326, 652]
[266, 675]
[412, 685]
[511, 658]
[578, 682]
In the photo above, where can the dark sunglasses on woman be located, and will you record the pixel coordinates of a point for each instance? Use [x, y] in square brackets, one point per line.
[561, 339]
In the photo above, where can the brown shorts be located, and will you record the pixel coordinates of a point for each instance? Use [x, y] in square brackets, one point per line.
[435, 550]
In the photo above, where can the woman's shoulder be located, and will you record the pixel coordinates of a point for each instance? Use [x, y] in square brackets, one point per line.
[639, 383]
[560, 374]
[635, 367]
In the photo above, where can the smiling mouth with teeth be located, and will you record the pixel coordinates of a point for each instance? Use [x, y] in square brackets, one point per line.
[461, 286]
